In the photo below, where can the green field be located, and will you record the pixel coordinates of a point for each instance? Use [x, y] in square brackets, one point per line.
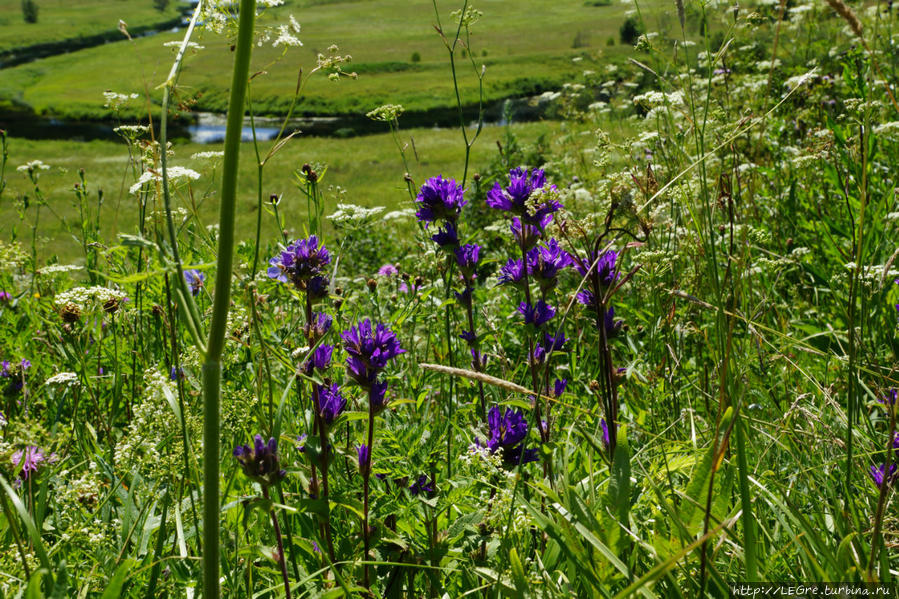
[60, 20]
[369, 169]
[381, 37]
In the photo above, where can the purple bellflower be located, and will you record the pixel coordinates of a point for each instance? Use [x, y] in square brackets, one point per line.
[195, 281]
[260, 461]
[440, 199]
[302, 261]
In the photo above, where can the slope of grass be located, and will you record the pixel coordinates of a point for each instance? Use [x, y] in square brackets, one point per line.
[525, 46]
[60, 20]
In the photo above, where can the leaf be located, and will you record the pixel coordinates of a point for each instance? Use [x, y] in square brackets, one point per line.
[114, 587]
[518, 576]
[620, 484]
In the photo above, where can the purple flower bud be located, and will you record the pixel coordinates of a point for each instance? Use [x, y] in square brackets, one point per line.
[447, 236]
[260, 462]
[319, 360]
[330, 403]
[536, 315]
[318, 327]
[508, 431]
[370, 349]
[879, 475]
[364, 457]
[559, 387]
[422, 485]
[467, 258]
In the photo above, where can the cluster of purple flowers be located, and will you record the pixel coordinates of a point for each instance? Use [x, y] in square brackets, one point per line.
[302, 263]
[441, 200]
[28, 461]
[879, 474]
[370, 348]
[528, 198]
[260, 461]
[508, 434]
[14, 375]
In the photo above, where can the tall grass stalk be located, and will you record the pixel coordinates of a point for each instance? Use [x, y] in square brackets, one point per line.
[212, 367]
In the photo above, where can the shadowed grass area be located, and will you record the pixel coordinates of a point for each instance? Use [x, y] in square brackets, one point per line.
[366, 171]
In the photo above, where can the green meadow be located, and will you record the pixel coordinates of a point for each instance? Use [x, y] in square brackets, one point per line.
[365, 171]
[395, 50]
[60, 20]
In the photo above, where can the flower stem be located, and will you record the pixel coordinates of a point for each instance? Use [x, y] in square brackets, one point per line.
[212, 368]
[281, 561]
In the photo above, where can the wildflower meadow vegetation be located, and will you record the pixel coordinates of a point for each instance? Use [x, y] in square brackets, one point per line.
[644, 347]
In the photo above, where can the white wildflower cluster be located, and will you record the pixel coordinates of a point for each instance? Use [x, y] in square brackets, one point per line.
[175, 175]
[889, 130]
[655, 99]
[404, 214]
[56, 269]
[469, 18]
[287, 35]
[86, 298]
[116, 100]
[68, 379]
[190, 45]
[154, 420]
[385, 113]
[217, 16]
[12, 256]
[503, 500]
[334, 62]
[76, 520]
[32, 167]
[348, 215]
[212, 155]
[871, 276]
[132, 132]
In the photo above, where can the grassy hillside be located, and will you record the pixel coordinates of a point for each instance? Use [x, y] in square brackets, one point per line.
[60, 20]
[380, 36]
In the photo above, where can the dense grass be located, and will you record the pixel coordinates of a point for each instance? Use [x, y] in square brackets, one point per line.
[378, 35]
[717, 411]
[61, 20]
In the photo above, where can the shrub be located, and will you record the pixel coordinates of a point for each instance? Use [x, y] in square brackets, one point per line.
[29, 11]
[581, 40]
[630, 31]
[416, 57]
